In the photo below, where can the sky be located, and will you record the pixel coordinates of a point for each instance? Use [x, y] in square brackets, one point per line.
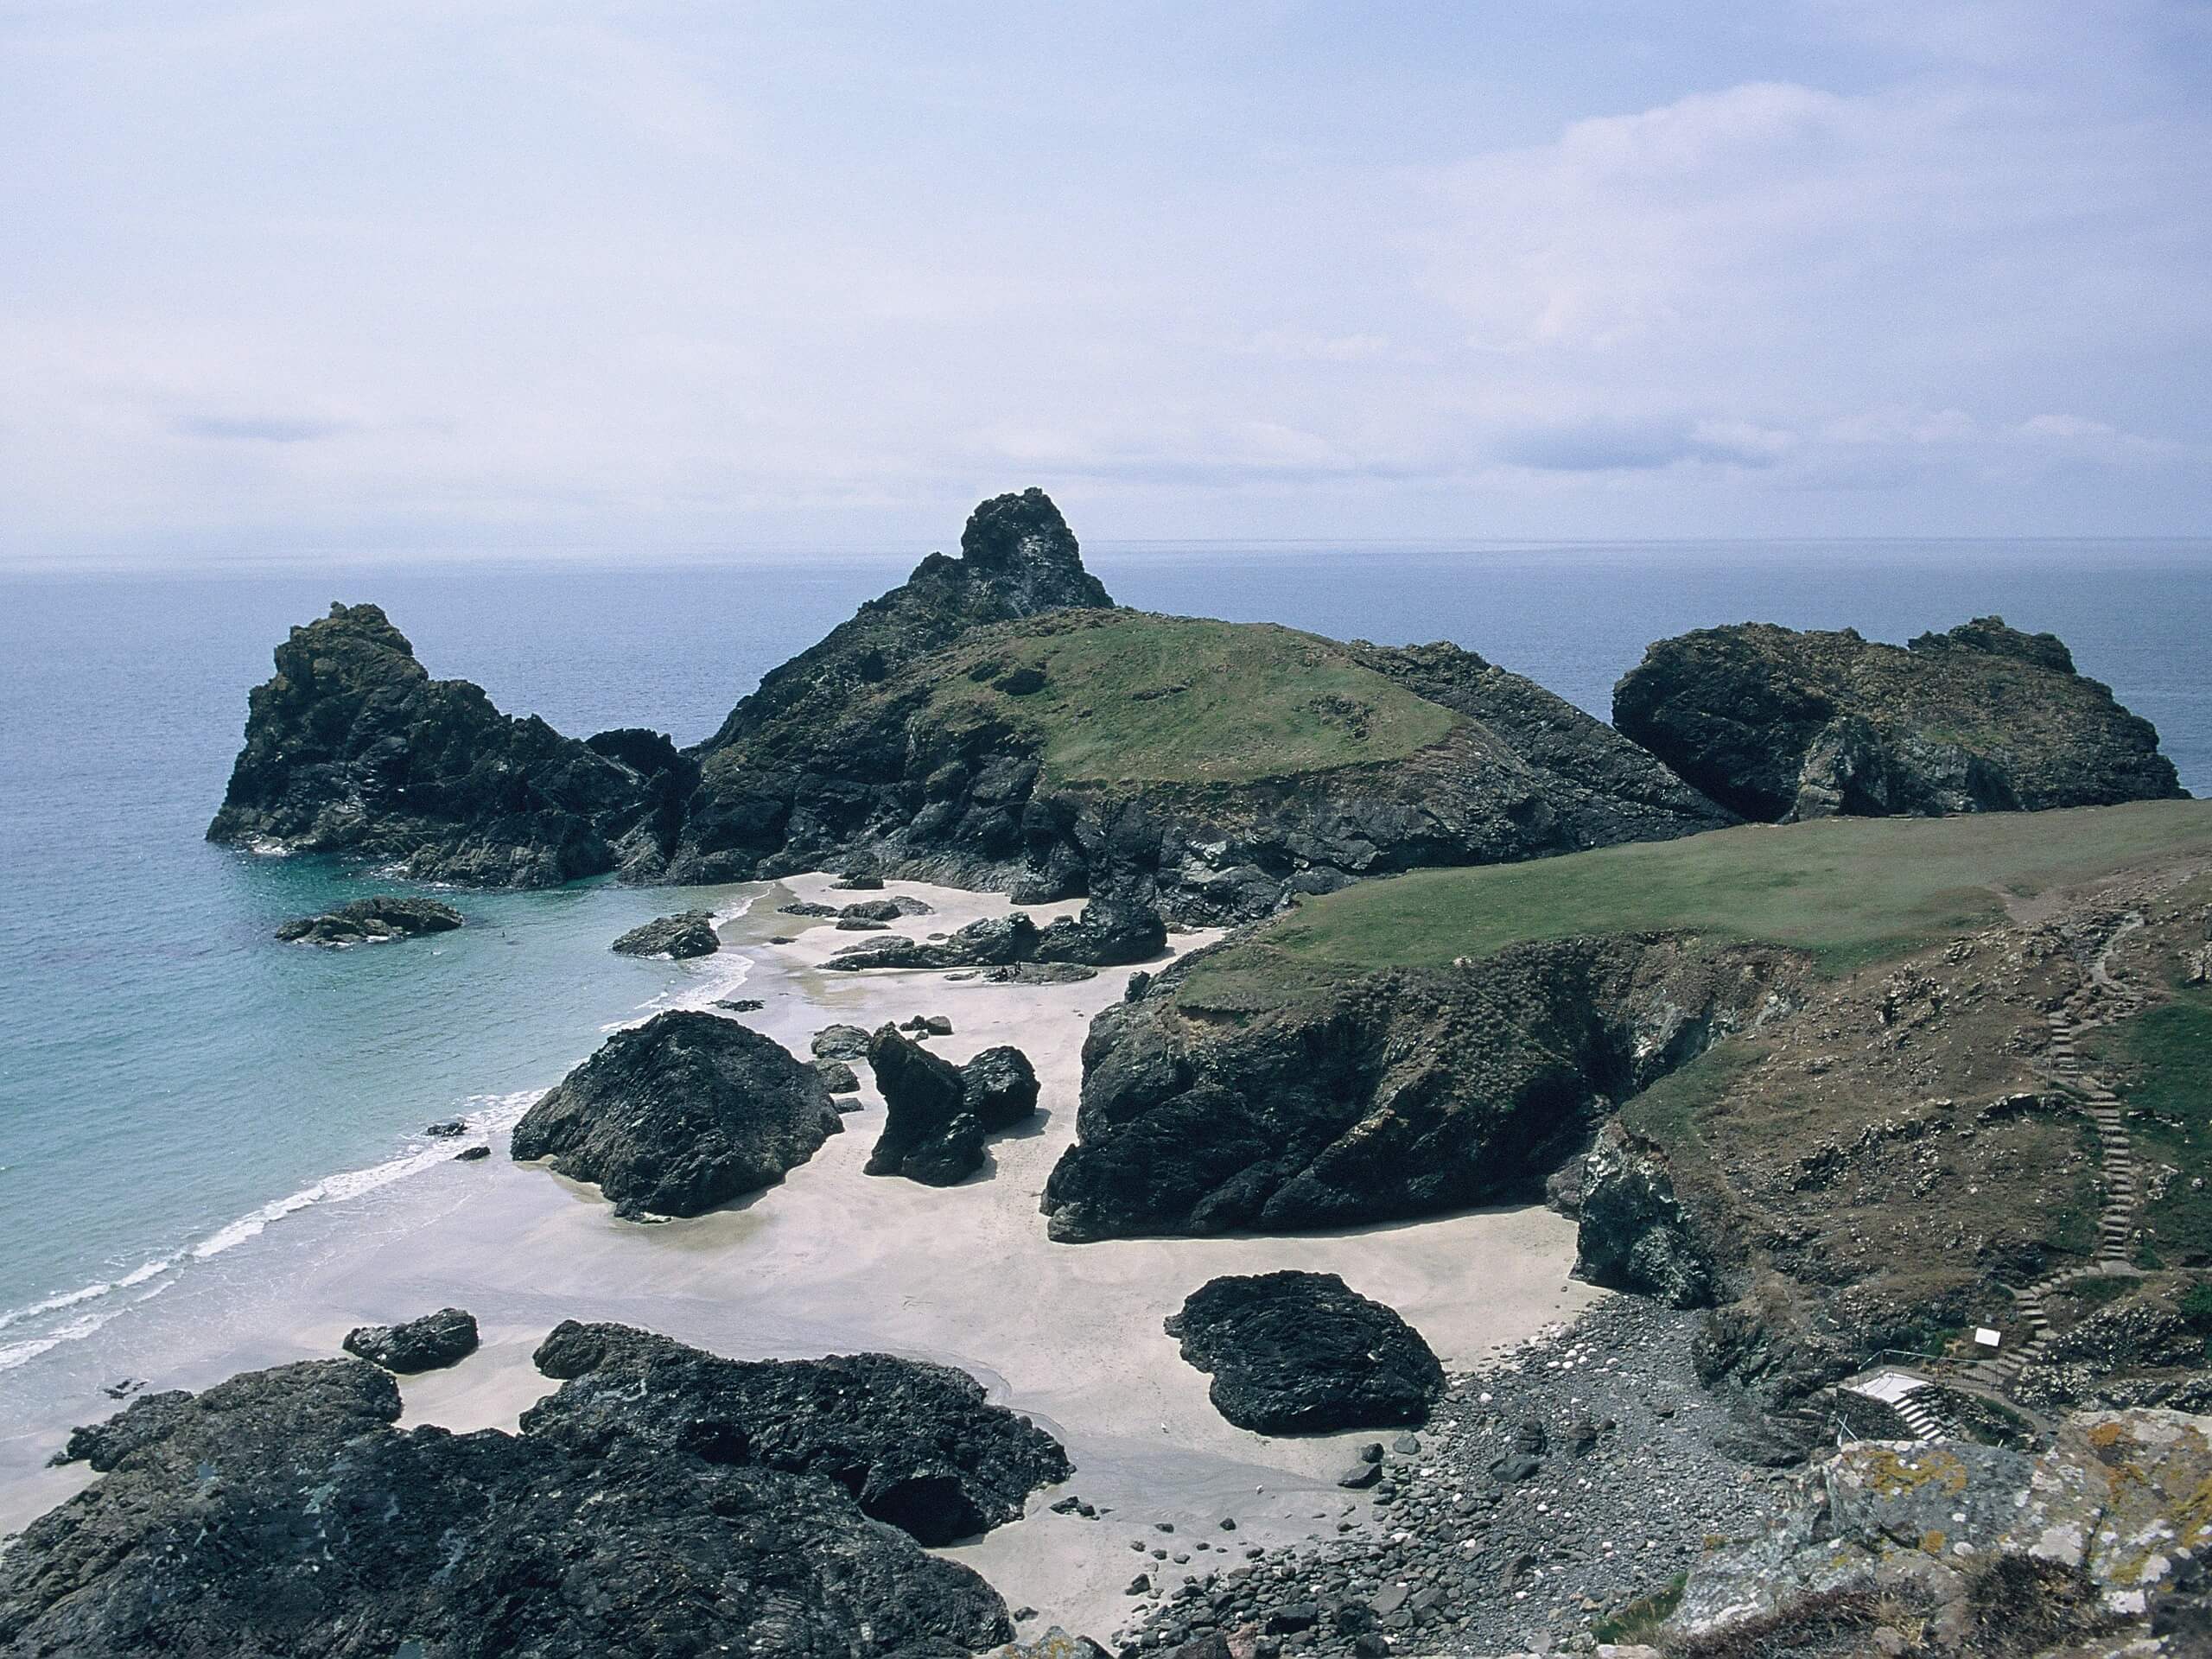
[292, 280]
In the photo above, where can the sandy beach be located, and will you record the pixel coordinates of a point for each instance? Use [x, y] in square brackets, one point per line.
[832, 1261]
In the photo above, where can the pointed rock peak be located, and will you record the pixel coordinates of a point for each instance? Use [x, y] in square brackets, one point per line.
[1024, 548]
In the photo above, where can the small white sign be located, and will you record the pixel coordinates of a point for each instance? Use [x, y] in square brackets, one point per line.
[1987, 1338]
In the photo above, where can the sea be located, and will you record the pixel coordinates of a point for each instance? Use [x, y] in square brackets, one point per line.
[176, 1087]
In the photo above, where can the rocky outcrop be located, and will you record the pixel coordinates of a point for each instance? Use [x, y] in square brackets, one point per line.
[1301, 1353]
[937, 1114]
[372, 921]
[682, 1112]
[281, 1512]
[353, 748]
[686, 934]
[1777, 724]
[1391, 1095]
[1979, 1550]
[990, 942]
[916, 1446]
[435, 1340]
[1634, 1234]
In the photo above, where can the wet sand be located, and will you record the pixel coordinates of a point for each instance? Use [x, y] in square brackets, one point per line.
[832, 1261]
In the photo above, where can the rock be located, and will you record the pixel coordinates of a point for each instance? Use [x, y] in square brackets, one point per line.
[740, 1004]
[1775, 724]
[1360, 1475]
[1039, 973]
[1633, 1233]
[435, 1340]
[840, 1043]
[1055, 1643]
[1395, 1093]
[1112, 930]
[686, 934]
[329, 1533]
[372, 921]
[886, 910]
[929, 1135]
[1294, 1352]
[806, 907]
[446, 1129]
[838, 1078]
[352, 747]
[472, 1155]
[998, 1088]
[680, 1114]
[917, 1445]
[994, 939]
[859, 925]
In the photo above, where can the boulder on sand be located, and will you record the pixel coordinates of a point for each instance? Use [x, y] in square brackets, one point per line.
[682, 1112]
[687, 933]
[282, 1512]
[445, 1338]
[999, 1087]
[1301, 1353]
[371, 921]
[917, 1445]
[839, 1078]
[937, 1114]
[840, 1043]
[992, 941]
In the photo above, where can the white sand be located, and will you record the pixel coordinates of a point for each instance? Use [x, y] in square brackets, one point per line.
[832, 1261]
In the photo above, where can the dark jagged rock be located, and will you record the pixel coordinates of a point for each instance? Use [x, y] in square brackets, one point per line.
[838, 1078]
[886, 910]
[998, 1088]
[1634, 1234]
[993, 941]
[807, 908]
[1775, 724]
[445, 1338]
[686, 934]
[352, 747]
[929, 1135]
[918, 1446]
[281, 1512]
[839, 1043]
[682, 1112]
[1301, 1353]
[1113, 928]
[371, 921]
[1393, 1095]
[1039, 973]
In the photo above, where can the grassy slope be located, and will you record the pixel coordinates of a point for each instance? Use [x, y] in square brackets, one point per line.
[1242, 701]
[1847, 890]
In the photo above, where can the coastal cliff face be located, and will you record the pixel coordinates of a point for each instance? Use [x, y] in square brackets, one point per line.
[1395, 1095]
[352, 747]
[1777, 724]
[993, 722]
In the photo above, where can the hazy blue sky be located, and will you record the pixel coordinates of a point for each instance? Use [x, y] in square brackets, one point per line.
[462, 275]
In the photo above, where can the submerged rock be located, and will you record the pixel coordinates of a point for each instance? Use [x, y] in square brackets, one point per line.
[686, 934]
[352, 747]
[1777, 724]
[918, 1446]
[682, 1112]
[329, 1533]
[1301, 1353]
[371, 921]
[445, 1338]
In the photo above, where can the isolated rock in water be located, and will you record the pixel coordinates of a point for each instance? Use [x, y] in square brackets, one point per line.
[929, 1134]
[371, 921]
[281, 1512]
[352, 747]
[838, 1078]
[1633, 1233]
[840, 1043]
[917, 1445]
[445, 1338]
[687, 933]
[1775, 724]
[682, 1112]
[998, 1088]
[1300, 1353]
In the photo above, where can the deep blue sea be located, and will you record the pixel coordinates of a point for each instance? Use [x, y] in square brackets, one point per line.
[173, 1081]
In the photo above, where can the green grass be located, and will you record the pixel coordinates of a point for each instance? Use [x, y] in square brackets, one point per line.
[1847, 891]
[1639, 1621]
[1136, 698]
[1669, 1110]
[2161, 1062]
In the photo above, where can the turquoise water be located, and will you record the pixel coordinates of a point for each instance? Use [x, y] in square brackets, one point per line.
[172, 1080]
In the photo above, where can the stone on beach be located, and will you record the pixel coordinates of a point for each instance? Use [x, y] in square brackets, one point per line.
[435, 1340]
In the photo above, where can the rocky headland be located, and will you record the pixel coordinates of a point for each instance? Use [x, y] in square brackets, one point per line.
[1776, 725]
[680, 1114]
[662, 1500]
[372, 921]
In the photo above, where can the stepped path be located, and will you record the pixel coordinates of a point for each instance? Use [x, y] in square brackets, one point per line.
[2100, 1001]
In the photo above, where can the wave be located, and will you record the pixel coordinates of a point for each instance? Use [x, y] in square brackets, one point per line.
[709, 981]
[483, 1115]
